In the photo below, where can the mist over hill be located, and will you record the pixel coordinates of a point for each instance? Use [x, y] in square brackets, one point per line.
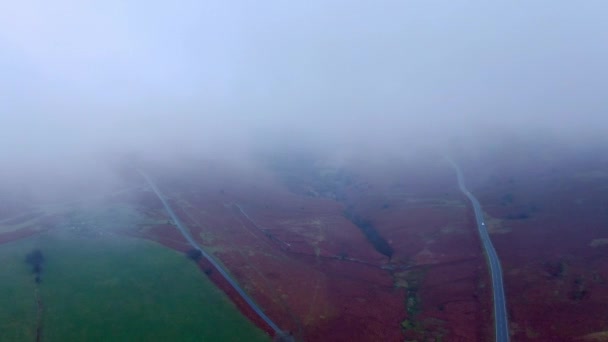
[85, 86]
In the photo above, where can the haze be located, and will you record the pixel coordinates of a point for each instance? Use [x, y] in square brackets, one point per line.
[82, 81]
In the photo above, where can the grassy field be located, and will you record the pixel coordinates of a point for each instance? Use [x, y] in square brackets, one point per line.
[113, 288]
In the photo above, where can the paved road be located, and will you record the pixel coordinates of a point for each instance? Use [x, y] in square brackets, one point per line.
[186, 233]
[500, 305]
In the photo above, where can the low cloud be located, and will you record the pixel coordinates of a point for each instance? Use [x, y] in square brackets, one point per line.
[84, 83]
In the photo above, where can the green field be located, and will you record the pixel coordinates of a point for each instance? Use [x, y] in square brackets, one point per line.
[113, 288]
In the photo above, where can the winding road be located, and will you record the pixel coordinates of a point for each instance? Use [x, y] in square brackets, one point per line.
[501, 319]
[186, 233]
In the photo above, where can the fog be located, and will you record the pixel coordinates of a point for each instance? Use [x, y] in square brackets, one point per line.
[87, 82]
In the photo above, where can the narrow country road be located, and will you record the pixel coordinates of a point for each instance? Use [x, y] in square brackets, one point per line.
[501, 319]
[186, 233]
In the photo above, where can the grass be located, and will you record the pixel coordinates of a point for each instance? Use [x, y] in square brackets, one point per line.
[17, 303]
[112, 288]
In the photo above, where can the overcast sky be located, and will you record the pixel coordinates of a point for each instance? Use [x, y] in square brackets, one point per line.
[83, 76]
